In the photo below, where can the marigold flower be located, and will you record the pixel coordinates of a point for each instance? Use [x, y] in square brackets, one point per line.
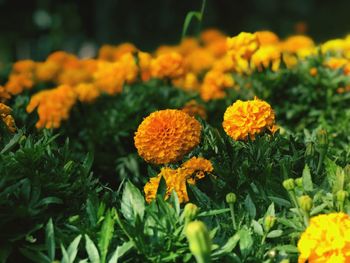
[211, 35]
[47, 71]
[326, 239]
[188, 82]
[267, 38]
[248, 118]
[313, 71]
[188, 45]
[87, 92]
[199, 60]
[6, 118]
[109, 77]
[166, 136]
[295, 43]
[4, 95]
[266, 56]
[176, 179]
[18, 82]
[193, 108]
[114, 53]
[53, 106]
[244, 45]
[334, 45]
[214, 85]
[169, 65]
[145, 65]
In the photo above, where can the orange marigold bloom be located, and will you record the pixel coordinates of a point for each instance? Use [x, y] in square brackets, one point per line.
[24, 66]
[326, 239]
[176, 179]
[193, 108]
[188, 45]
[87, 92]
[336, 63]
[47, 71]
[199, 60]
[188, 82]
[113, 53]
[214, 85]
[294, 44]
[313, 71]
[53, 106]
[18, 82]
[109, 77]
[5, 116]
[211, 35]
[4, 95]
[145, 65]
[267, 38]
[248, 118]
[169, 65]
[166, 136]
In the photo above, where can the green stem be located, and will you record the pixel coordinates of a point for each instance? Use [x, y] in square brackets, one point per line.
[320, 160]
[295, 201]
[263, 239]
[233, 216]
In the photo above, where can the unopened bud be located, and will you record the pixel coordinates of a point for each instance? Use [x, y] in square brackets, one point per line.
[299, 182]
[269, 222]
[231, 198]
[322, 138]
[305, 203]
[199, 240]
[289, 184]
[190, 212]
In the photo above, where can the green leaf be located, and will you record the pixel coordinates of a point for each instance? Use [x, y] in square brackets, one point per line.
[88, 161]
[214, 212]
[246, 241]
[257, 228]
[106, 235]
[120, 251]
[133, 203]
[270, 210]
[307, 181]
[91, 250]
[227, 248]
[15, 139]
[249, 205]
[50, 240]
[73, 248]
[65, 256]
[287, 248]
[275, 233]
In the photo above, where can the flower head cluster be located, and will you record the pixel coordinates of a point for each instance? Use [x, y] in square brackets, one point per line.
[6, 117]
[214, 85]
[176, 179]
[53, 105]
[266, 56]
[168, 65]
[326, 239]
[166, 136]
[245, 119]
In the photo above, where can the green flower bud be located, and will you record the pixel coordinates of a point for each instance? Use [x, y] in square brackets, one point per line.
[289, 184]
[341, 196]
[269, 222]
[299, 182]
[305, 203]
[322, 138]
[190, 212]
[231, 198]
[271, 253]
[199, 240]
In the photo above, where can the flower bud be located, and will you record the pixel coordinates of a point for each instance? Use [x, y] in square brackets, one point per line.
[190, 212]
[322, 138]
[271, 253]
[199, 240]
[231, 198]
[305, 203]
[341, 195]
[269, 222]
[299, 182]
[289, 184]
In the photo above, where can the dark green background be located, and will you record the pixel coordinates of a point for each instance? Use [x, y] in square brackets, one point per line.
[33, 29]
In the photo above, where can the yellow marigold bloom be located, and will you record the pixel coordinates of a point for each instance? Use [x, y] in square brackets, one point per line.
[290, 59]
[218, 48]
[294, 43]
[53, 106]
[266, 56]
[193, 108]
[334, 45]
[176, 179]
[130, 69]
[87, 92]
[326, 239]
[336, 63]
[7, 119]
[199, 60]
[169, 65]
[267, 38]
[248, 118]
[166, 136]
[214, 85]
[188, 82]
[244, 45]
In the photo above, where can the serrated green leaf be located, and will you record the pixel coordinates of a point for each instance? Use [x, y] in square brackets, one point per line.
[91, 250]
[275, 233]
[133, 203]
[307, 180]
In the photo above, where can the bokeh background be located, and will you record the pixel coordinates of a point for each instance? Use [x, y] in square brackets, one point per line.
[35, 28]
